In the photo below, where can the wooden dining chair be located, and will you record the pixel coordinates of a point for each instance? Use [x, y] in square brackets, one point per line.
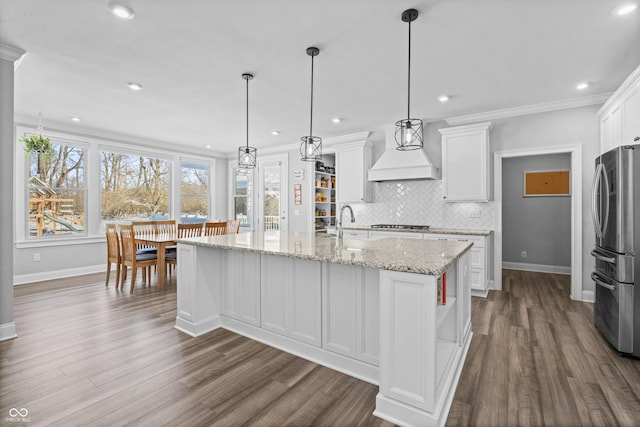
[113, 252]
[215, 228]
[184, 231]
[130, 257]
[167, 226]
[233, 226]
[144, 228]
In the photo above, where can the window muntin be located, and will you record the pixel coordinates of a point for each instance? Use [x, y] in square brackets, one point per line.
[56, 188]
[133, 186]
[194, 191]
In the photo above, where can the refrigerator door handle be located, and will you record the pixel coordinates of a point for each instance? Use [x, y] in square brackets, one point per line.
[594, 202]
[604, 258]
[599, 282]
[606, 200]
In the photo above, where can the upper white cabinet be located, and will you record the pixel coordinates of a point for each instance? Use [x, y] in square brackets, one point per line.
[353, 160]
[465, 163]
[619, 124]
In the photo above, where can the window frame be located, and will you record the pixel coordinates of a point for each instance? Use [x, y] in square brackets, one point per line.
[210, 171]
[231, 190]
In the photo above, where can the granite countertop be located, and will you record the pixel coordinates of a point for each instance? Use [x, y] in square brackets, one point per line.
[429, 231]
[431, 257]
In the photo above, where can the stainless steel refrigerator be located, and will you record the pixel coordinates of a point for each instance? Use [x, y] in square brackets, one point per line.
[616, 217]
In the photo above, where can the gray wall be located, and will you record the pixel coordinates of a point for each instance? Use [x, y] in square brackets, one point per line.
[541, 226]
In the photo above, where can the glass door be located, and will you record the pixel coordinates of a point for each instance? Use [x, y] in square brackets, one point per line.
[272, 194]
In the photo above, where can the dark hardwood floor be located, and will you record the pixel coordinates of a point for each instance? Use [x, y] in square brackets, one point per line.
[90, 355]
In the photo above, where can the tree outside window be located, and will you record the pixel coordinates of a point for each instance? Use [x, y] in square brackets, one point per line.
[133, 186]
[57, 192]
[194, 187]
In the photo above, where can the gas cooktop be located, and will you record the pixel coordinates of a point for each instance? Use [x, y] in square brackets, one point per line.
[401, 226]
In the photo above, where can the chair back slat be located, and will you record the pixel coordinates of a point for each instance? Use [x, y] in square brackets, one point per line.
[189, 230]
[215, 228]
[167, 226]
[113, 242]
[233, 226]
[127, 236]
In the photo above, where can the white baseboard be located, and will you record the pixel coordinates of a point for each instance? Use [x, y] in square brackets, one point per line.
[57, 274]
[8, 331]
[540, 268]
[588, 296]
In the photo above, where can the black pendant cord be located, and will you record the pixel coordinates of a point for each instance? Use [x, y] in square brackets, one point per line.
[247, 80]
[409, 78]
[311, 115]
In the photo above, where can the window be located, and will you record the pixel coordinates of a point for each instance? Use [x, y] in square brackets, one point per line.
[242, 194]
[133, 186]
[194, 189]
[56, 188]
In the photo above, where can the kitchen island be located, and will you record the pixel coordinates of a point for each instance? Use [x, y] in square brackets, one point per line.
[369, 309]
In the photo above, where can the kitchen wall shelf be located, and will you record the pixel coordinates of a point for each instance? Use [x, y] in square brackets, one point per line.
[325, 193]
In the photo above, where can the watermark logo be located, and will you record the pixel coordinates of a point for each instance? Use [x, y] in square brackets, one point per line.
[18, 416]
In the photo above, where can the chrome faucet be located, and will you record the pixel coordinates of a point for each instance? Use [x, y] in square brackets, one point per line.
[353, 219]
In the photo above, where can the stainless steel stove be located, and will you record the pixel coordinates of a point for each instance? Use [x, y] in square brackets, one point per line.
[400, 227]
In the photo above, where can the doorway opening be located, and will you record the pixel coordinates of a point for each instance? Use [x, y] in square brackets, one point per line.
[575, 153]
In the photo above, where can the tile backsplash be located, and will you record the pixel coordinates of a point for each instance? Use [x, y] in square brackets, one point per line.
[420, 202]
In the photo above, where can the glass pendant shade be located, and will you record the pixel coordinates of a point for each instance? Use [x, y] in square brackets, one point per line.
[247, 155]
[311, 148]
[409, 134]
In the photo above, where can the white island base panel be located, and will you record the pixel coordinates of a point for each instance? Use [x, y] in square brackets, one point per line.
[383, 327]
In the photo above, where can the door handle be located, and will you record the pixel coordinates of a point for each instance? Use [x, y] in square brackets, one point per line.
[594, 202]
[601, 257]
[599, 282]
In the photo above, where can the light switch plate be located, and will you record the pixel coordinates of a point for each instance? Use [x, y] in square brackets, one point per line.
[474, 214]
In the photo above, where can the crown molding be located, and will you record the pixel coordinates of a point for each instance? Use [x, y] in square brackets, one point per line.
[630, 81]
[326, 143]
[529, 109]
[10, 53]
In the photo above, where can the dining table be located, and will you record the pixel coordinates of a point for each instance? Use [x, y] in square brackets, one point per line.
[160, 241]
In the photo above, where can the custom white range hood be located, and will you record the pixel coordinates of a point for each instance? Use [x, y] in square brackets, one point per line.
[396, 165]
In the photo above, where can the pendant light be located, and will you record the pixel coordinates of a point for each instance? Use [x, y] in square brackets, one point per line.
[246, 154]
[311, 147]
[409, 131]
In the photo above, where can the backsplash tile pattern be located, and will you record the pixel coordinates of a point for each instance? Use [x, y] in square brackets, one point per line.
[420, 202]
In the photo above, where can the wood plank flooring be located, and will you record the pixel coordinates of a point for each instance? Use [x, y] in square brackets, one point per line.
[536, 359]
[90, 355]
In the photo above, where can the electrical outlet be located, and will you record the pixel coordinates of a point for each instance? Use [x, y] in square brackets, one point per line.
[474, 214]
[523, 254]
[296, 211]
[36, 256]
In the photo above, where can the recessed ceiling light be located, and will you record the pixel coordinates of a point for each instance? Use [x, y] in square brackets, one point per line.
[624, 9]
[443, 98]
[121, 11]
[582, 86]
[134, 86]
[336, 120]
[75, 119]
[275, 132]
[207, 146]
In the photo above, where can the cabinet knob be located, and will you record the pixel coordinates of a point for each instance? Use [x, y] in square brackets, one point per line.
[636, 139]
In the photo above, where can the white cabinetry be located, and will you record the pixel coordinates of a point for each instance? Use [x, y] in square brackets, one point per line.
[350, 311]
[480, 259]
[619, 123]
[373, 235]
[291, 298]
[352, 162]
[241, 289]
[465, 163]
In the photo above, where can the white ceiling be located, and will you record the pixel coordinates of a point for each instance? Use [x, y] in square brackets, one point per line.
[189, 56]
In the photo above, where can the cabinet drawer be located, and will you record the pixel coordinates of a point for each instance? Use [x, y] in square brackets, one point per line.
[355, 234]
[398, 234]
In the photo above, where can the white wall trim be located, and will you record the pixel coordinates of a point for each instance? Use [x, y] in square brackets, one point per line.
[576, 211]
[588, 296]
[544, 107]
[8, 331]
[23, 279]
[540, 268]
[622, 89]
[11, 53]
[326, 143]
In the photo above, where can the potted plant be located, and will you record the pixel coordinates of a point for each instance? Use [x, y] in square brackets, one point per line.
[37, 144]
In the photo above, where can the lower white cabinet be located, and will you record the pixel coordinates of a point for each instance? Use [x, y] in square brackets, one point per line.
[241, 289]
[481, 252]
[373, 234]
[350, 311]
[291, 298]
